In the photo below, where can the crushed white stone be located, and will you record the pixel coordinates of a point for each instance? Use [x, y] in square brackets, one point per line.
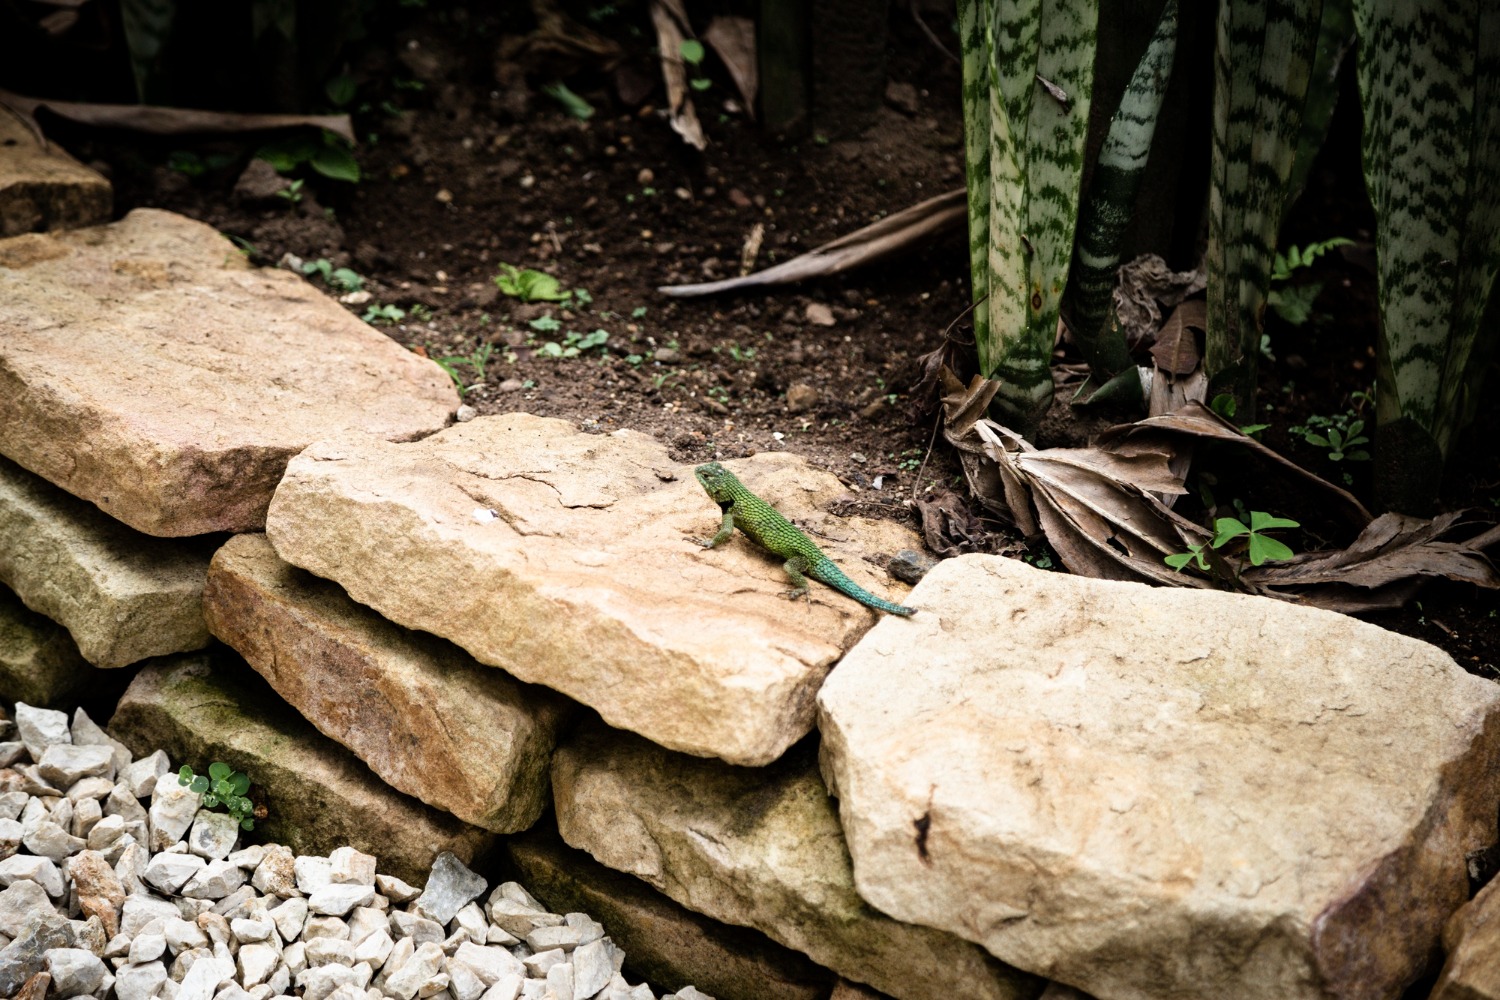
[116, 883]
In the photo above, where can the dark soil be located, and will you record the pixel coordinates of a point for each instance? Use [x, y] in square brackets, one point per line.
[466, 169]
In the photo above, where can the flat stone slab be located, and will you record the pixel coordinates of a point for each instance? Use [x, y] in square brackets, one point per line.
[664, 942]
[425, 717]
[146, 367]
[42, 187]
[1148, 792]
[565, 558]
[39, 662]
[123, 595]
[319, 796]
[762, 848]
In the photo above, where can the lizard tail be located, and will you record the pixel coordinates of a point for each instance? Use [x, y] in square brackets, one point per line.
[825, 571]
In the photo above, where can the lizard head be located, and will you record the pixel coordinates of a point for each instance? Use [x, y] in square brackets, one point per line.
[715, 479]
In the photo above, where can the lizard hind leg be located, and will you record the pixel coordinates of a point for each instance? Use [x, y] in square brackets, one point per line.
[795, 568]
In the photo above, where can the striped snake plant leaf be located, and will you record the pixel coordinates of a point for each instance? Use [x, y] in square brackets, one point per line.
[1263, 60]
[1429, 79]
[973, 17]
[1335, 41]
[1117, 177]
[1041, 68]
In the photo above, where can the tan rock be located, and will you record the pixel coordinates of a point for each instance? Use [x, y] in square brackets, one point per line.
[666, 943]
[319, 796]
[565, 558]
[1472, 940]
[418, 710]
[43, 187]
[1154, 792]
[759, 848]
[100, 892]
[146, 367]
[124, 596]
[39, 662]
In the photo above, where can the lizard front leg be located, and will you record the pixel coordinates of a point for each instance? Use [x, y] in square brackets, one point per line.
[725, 530]
[795, 567]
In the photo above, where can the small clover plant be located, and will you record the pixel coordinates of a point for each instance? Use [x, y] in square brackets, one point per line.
[1260, 547]
[223, 786]
[1342, 435]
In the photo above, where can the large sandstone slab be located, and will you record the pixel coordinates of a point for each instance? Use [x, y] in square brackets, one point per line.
[664, 942]
[147, 368]
[42, 187]
[319, 796]
[123, 595]
[1154, 792]
[762, 848]
[418, 710]
[39, 662]
[566, 559]
[1472, 939]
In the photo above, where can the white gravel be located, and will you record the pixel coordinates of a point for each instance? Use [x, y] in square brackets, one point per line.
[115, 884]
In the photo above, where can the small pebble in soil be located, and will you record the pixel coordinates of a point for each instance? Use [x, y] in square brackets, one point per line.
[801, 397]
[909, 565]
[465, 413]
[818, 314]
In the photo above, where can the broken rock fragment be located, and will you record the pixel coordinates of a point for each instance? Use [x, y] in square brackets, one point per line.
[123, 595]
[42, 187]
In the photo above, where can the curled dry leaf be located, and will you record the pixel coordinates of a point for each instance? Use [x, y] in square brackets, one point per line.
[1105, 510]
[1096, 508]
[166, 121]
[733, 41]
[751, 248]
[1176, 348]
[561, 45]
[671, 22]
[1196, 422]
[876, 241]
[1146, 285]
[1386, 564]
[950, 528]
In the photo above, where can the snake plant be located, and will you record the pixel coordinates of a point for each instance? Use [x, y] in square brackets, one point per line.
[1117, 176]
[1028, 77]
[1429, 80]
[1263, 60]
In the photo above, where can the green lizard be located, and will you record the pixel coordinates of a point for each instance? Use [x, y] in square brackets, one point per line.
[758, 519]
